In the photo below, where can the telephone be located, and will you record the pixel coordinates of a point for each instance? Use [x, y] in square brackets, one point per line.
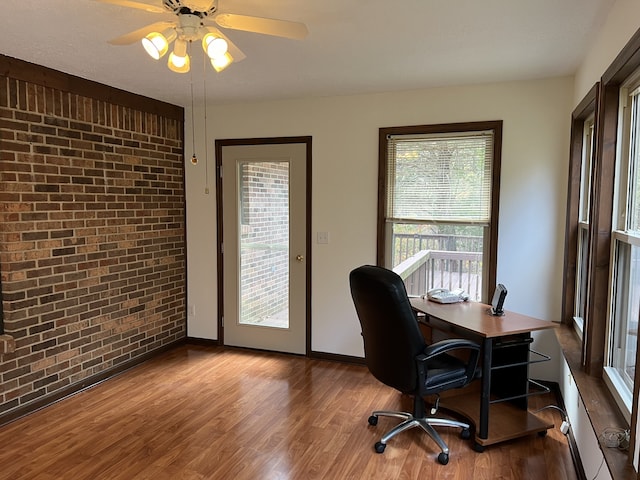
[442, 295]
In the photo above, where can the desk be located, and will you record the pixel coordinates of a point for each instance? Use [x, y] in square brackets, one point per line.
[502, 412]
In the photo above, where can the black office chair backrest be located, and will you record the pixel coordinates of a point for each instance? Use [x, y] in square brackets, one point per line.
[392, 337]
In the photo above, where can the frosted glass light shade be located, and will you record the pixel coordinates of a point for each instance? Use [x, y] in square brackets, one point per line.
[179, 60]
[179, 64]
[155, 44]
[214, 46]
[221, 62]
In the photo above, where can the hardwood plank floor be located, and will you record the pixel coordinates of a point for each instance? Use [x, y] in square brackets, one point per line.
[213, 413]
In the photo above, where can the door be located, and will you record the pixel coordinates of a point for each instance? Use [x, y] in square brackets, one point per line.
[264, 245]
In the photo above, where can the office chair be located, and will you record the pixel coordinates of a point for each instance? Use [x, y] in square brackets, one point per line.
[396, 354]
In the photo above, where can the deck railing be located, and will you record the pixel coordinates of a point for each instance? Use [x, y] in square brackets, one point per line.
[406, 245]
[429, 269]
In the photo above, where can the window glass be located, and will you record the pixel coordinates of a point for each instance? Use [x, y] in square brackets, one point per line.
[582, 263]
[625, 278]
[438, 216]
[626, 311]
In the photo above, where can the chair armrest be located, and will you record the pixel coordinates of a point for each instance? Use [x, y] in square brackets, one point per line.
[447, 345]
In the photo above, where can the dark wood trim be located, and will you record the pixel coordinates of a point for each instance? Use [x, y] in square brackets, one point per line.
[204, 342]
[625, 63]
[592, 357]
[29, 72]
[219, 237]
[382, 197]
[84, 384]
[308, 141]
[492, 279]
[219, 144]
[580, 114]
[333, 357]
[496, 126]
[600, 223]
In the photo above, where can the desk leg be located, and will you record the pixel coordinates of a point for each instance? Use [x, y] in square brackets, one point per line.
[487, 351]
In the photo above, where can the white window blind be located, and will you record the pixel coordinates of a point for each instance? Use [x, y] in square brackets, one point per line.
[440, 177]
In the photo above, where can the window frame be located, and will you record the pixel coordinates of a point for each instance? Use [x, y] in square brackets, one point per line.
[580, 117]
[491, 239]
[587, 153]
[623, 240]
[604, 99]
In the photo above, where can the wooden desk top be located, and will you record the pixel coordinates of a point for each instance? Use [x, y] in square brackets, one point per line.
[474, 317]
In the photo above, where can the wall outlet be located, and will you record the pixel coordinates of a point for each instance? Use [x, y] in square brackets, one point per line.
[191, 310]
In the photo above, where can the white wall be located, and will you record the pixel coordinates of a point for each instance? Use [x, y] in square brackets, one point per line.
[619, 26]
[345, 171]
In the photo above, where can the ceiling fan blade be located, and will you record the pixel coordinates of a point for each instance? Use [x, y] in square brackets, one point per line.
[136, 35]
[140, 6]
[266, 26]
[234, 51]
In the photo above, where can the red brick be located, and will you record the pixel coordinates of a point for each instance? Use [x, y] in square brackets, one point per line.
[79, 218]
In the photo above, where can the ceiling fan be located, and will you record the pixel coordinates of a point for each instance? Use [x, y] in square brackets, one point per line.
[193, 23]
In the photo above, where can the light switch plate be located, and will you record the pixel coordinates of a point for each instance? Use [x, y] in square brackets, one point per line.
[323, 237]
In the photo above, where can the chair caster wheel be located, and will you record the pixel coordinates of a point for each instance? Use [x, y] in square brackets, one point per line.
[443, 458]
[542, 433]
[477, 447]
[465, 434]
[373, 420]
[379, 447]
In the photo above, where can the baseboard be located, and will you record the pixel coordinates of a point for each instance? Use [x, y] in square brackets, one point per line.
[207, 342]
[333, 357]
[84, 384]
[316, 355]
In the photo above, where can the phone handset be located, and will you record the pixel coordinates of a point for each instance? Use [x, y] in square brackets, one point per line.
[442, 295]
[433, 291]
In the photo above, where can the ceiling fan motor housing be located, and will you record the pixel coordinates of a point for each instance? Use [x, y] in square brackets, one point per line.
[202, 8]
[189, 26]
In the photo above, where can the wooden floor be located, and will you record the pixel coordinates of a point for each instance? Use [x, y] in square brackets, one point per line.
[212, 413]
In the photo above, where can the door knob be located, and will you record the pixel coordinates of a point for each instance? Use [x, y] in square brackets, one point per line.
[299, 258]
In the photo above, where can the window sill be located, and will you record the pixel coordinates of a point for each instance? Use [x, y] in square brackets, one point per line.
[600, 406]
[7, 344]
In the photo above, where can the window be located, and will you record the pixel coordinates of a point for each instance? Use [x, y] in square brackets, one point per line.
[612, 301]
[625, 251]
[582, 263]
[439, 205]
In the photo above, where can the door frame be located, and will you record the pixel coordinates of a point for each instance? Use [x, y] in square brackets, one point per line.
[219, 144]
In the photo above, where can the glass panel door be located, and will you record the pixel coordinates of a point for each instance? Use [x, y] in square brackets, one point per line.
[265, 232]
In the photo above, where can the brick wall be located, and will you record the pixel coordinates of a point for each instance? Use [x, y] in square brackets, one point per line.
[92, 218]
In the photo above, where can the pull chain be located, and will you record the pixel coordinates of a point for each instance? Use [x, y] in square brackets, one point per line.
[206, 141]
[194, 159]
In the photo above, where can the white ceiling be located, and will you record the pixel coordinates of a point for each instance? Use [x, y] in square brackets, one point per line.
[354, 46]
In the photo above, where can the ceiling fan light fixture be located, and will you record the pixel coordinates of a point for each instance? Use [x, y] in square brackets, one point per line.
[156, 44]
[179, 64]
[214, 46]
[179, 60]
[192, 23]
[221, 62]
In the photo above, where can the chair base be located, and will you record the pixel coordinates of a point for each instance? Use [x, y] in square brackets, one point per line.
[426, 423]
